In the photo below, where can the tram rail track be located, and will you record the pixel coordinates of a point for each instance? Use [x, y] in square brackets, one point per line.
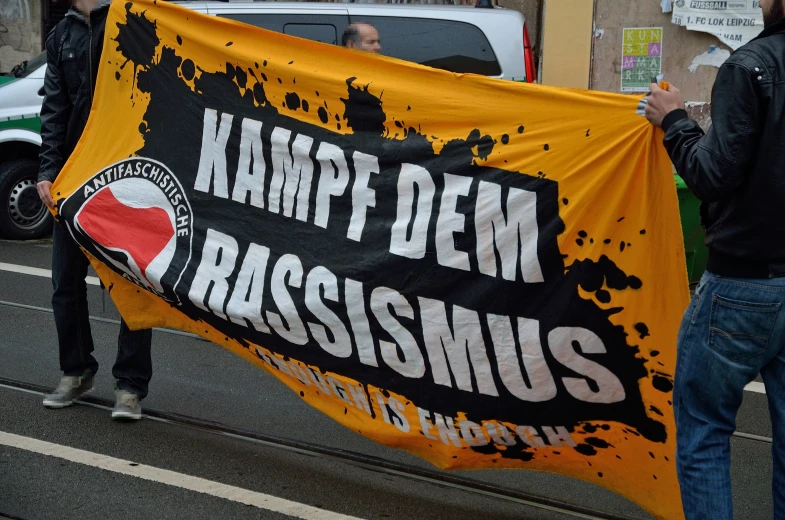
[357, 459]
[361, 460]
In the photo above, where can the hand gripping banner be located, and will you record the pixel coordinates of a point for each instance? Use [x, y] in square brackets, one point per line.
[484, 273]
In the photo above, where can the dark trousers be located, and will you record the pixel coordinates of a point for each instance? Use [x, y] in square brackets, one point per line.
[133, 367]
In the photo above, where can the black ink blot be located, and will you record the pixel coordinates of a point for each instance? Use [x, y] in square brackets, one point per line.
[322, 114]
[292, 100]
[642, 329]
[188, 70]
[598, 443]
[241, 77]
[363, 110]
[662, 384]
[586, 449]
[258, 94]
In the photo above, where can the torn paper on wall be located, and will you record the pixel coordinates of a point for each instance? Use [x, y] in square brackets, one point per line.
[714, 57]
[734, 22]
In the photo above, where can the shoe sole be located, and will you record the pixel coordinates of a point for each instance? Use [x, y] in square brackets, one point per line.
[126, 416]
[54, 405]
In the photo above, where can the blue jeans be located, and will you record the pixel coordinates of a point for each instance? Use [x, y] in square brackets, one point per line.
[133, 367]
[733, 330]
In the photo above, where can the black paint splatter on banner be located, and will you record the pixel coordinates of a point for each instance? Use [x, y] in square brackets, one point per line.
[173, 136]
[188, 70]
[363, 110]
[642, 329]
[662, 383]
[323, 116]
[136, 41]
[292, 101]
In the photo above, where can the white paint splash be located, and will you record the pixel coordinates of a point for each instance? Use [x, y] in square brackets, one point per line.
[714, 57]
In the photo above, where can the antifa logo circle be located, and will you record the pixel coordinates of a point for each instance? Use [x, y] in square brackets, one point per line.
[134, 217]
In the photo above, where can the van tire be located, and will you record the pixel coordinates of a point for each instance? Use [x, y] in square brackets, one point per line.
[22, 214]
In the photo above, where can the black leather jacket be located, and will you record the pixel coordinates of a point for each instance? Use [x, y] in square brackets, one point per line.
[73, 53]
[737, 169]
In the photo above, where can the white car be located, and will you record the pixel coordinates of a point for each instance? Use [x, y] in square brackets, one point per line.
[488, 41]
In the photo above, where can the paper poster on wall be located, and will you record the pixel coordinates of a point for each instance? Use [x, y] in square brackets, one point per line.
[734, 22]
[641, 58]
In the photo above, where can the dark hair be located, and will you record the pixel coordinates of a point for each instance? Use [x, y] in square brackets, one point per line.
[351, 34]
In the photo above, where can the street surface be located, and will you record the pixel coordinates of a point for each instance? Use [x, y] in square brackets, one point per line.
[78, 463]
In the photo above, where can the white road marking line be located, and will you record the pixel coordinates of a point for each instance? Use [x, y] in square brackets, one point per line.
[35, 271]
[756, 387]
[171, 478]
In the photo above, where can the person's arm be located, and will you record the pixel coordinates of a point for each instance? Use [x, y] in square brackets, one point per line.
[55, 112]
[715, 164]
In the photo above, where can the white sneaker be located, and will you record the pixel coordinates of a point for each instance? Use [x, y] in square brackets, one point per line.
[69, 390]
[127, 406]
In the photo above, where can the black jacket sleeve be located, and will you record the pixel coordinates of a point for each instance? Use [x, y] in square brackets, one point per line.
[55, 113]
[715, 164]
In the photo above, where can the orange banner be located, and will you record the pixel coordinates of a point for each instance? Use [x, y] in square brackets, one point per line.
[487, 274]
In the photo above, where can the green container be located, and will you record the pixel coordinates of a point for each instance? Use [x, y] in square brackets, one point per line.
[694, 234]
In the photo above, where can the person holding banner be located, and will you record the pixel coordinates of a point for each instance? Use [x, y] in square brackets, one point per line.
[734, 329]
[73, 53]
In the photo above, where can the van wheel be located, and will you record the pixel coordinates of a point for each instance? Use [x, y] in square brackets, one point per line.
[22, 214]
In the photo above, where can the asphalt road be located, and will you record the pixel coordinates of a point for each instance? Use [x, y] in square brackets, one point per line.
[196, 378]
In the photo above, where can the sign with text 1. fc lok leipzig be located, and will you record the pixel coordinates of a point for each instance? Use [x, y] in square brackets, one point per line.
[641, 58]
[488, 278]
[734, 22]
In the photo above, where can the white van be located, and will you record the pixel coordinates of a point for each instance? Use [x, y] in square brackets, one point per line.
[474, 40]
[487, 41]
